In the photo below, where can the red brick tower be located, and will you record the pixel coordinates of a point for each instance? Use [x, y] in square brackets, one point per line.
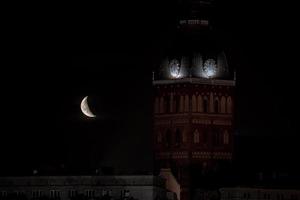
[193, 107]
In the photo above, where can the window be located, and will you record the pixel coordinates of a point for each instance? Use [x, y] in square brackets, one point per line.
[54, 193]
[216, 106]
[19, 193]
[217, 137]
[184, 136]
[186, 103]
[172, 106]
[181, 104]
[126, 193]
[72, 193]
[229, 105]
[205, 105]
[156, 105]
[194, 104]
[178, 138]
[177, 104]
[196, 137]
[226, 137]
[199, 104]
[89, 193]
[167, 104]
[159, 137]
[168, 138]
[223, 104]
[267, 196]
[161, 105]
[104, 192]
[36, 193]
[246, 195]
[3, 194]
[205, 136]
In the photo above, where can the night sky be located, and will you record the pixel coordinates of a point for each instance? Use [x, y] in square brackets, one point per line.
[108, 52]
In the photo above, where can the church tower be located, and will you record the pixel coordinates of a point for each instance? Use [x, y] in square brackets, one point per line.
[194, 105]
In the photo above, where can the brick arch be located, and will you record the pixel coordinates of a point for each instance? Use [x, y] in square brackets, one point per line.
[196, 136]
[229, 105]
[161, 104]
[216, 105]
[156, 105]
[194, 103]
[205, 104]
[226, 137]
[223, 104]
[178, 137]
[186, 103]
[199, 103]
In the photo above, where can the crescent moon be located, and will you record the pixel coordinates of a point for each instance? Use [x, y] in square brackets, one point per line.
[85, 108]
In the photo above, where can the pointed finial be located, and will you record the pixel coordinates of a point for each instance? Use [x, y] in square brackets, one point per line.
[234, 75]
[152, 75]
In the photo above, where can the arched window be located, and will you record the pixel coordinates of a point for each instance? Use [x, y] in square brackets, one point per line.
[186, 103]
[167, 104]
[211, 103]
[156, 105]
[226, 137]
[220, 137]
[159, 137]
[161, 105]
[216, 105]
[217, 137]
[184, 136]
[214, 138]
[229, 105]
[168, 138]
[181, 103]
[205, 136]
[171, 103]
[194, 104]
[177, 103]
[178, 138]
[199, 104]
[205, 105]
[196, 136]
[223, 104]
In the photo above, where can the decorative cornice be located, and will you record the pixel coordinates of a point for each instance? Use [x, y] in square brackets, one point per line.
[195, 155]
[196, 81]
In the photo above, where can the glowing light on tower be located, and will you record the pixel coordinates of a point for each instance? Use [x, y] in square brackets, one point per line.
[210, 68]
[175, 69]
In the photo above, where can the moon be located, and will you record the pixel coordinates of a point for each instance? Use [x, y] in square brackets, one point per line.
[85, 108]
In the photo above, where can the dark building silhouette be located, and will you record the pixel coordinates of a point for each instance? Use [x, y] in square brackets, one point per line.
[142, 187]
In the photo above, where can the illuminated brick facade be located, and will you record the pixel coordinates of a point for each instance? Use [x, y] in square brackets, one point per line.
[193, 126]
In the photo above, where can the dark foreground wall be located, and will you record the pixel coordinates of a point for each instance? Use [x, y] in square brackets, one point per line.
[84, 187]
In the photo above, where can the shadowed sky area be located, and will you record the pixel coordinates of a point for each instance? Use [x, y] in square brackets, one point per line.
[108, 52]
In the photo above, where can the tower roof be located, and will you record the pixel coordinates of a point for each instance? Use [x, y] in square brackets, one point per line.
[196, 50]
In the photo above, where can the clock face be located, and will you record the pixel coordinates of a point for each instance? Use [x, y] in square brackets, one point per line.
[174, 68]
[210, 68]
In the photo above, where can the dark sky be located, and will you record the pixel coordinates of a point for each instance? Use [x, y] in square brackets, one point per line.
[108, 52]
